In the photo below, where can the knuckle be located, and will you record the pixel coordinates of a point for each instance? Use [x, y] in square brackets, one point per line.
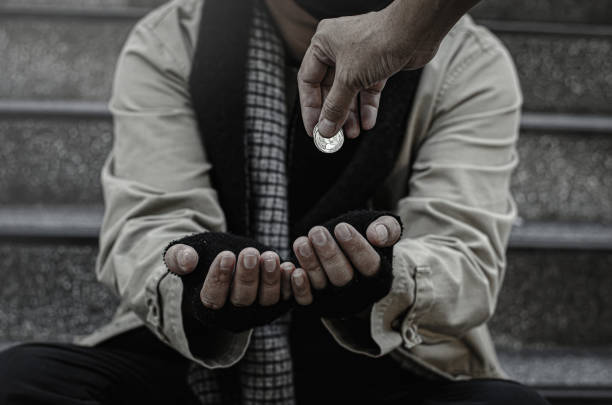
[328, 253]
[370, 264]
[353, 245]
[208, 301]
[341, 279]
[333, 109]
[242, 300]
[323, 25]
[215, 278]
[315, 269]
[302, 76]
[270, 279]
[349, 79]
[247, 279]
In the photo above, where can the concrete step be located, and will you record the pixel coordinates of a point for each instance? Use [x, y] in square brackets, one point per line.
[49, 58]
[44, 58]
[561, 177]
[564, 177]
[563, 73]
[49, 292]
[53, 161]
[572, 11]
[555, 298]
[582, 375]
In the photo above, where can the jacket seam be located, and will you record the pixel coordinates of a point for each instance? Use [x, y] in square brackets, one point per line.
[454, 74]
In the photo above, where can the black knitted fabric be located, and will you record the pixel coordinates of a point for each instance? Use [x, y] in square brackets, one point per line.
[230, 317]
[361, 291]
[331, 302]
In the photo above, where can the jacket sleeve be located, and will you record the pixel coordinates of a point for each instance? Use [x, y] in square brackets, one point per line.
[157, 189]
[449, 265]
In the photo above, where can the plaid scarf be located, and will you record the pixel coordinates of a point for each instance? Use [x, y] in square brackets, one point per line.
[265, 373]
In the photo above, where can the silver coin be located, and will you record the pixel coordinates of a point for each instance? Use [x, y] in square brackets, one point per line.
[328, 145]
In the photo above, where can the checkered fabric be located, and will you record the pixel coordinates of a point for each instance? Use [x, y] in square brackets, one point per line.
[265, 373]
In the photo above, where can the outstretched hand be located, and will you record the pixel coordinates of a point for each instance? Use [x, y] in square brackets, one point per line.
[237, 287]
[333, 260]
[249, 278]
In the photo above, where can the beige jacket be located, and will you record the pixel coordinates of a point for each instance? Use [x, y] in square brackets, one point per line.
[450, 187]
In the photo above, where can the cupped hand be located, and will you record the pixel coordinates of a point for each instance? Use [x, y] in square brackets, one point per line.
[333, 260]
[253, 277]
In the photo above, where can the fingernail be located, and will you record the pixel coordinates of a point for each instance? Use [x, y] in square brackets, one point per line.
[226, 263]
[185, 257]
[382, 233]
[326, 128]
[343, 232]
[269, 264]
[304, 250]
[250, 260]
[318, 237]
[287, 266]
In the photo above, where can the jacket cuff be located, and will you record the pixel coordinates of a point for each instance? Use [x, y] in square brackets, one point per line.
[393, 320]
[164, 317]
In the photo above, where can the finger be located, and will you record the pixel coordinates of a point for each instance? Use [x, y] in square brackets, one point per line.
[352, 127]
[217, 282]
[301, 287]
[358, 250]
[246, 279]
[369, 103]
[181, 259]
[270, 283]
[335, 264]
[286, 271]
[308, 260]
[336, 106]
[384, 231]
[312, 72]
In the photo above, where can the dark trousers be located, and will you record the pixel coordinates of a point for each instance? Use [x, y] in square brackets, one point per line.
[135, 368]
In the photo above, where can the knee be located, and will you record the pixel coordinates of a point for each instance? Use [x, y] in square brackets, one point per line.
[13, 362]
[19, 367]
[509, 392]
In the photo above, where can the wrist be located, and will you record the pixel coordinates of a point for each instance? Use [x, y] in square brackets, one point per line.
[420, 25]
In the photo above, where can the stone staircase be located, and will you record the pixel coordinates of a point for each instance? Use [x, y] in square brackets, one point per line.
[553, 325]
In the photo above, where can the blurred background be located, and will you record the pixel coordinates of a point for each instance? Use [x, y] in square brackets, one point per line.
[553, 326]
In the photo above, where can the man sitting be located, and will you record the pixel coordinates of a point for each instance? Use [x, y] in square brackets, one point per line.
[396, 242]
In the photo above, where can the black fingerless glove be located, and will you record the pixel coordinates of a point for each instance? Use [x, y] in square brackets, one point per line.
[361, 291]
[230, 317]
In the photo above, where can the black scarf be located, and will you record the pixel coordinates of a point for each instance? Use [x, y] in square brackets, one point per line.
[217, 91]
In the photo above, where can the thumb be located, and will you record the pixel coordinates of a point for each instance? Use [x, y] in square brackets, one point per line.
[181, 259]
[336, 107]
[384, 231]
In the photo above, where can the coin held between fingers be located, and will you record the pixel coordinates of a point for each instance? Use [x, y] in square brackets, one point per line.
[328, 145]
